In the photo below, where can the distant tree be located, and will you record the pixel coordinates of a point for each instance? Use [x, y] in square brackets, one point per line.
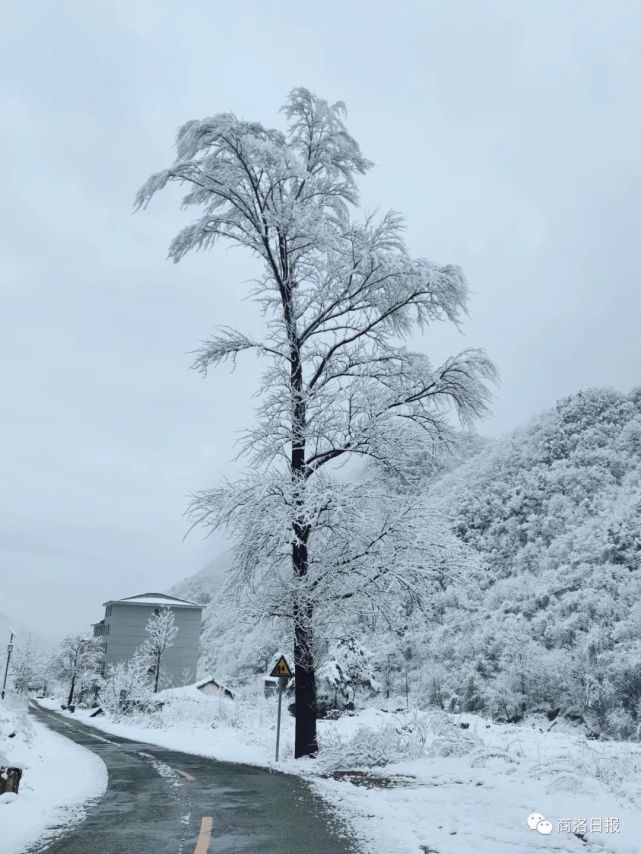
[339, 297]
[29, 667]
[77, 663]
[161, 631]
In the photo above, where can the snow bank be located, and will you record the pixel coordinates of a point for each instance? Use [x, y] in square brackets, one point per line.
[60, 780]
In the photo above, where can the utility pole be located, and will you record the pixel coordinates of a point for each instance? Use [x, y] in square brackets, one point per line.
[6, 669]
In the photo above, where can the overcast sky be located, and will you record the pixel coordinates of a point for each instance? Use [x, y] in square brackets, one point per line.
[507, 132]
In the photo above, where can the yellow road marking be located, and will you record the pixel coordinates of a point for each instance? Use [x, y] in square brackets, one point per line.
[185, 775]
[202, 845]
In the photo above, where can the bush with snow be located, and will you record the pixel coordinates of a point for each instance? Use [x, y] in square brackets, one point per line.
[127, 686]
[189, 704]
[347, 670]
[404, 736]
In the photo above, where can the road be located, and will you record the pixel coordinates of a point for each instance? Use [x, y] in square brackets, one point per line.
[162, 802]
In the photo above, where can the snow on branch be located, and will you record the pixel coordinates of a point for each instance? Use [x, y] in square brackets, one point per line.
[369, 548]
[227, 345]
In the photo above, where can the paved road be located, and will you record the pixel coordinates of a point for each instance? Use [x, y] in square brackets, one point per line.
[162, 802]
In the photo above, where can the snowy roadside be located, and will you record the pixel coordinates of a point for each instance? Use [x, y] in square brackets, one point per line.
[44, 802]
[456, 790]
[475, 791]
[240, 733]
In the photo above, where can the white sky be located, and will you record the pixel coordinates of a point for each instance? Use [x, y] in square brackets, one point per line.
[508, 133]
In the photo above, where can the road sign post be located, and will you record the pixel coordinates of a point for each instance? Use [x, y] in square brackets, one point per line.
[282, 672]
[281, 680]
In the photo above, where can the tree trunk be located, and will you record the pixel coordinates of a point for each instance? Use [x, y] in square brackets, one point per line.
[407, 689]
[157, 675]
[71, 690]
[9, 779]
[305, 742]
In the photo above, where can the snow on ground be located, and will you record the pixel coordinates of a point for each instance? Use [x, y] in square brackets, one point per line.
[473, 790]
[432, 786]
[60, 780]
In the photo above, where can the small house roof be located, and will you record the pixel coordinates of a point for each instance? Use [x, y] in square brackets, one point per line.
[211, 681]
[153, 599]
[208, 681]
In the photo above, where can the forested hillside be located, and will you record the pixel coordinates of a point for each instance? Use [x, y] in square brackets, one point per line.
[553, 512]
[548, 611]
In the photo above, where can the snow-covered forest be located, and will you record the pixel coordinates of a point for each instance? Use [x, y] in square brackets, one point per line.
[545, 611]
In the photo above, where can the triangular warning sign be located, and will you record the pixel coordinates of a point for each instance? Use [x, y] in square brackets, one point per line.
[282, 669]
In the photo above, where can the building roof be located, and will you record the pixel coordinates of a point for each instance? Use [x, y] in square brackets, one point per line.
[211, 681]
[153, 599]
[193, 691]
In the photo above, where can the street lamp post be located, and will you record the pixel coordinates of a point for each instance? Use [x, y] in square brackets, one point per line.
[6, 669]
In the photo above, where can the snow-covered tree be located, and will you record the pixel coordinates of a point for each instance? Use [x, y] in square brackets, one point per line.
[29, 667]
[339, 296]
[347, 668]
[161, 631]
[77, 663]
[128, 682]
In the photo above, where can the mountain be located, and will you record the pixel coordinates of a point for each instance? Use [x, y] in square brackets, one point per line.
[553, 513]
[551, 516]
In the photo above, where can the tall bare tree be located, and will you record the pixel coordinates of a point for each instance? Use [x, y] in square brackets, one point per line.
[339, 296]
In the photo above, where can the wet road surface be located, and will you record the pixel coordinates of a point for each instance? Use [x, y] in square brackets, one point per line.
[163, 802]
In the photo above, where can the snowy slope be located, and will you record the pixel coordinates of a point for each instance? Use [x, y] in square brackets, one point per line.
[42, 803]
[553, 514]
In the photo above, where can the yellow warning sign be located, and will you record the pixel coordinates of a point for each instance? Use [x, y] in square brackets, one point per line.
[282, 669]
